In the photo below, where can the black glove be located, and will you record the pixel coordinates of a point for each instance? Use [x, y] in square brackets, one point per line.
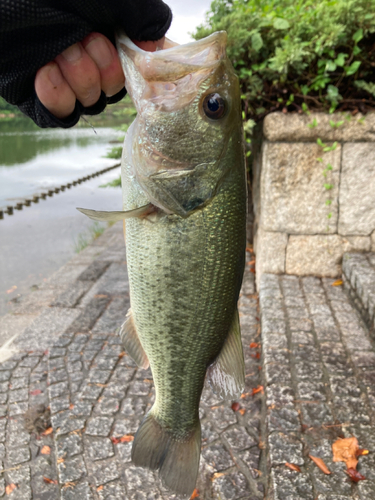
[34, 32]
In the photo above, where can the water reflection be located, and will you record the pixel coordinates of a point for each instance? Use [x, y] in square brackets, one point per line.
[33, 159]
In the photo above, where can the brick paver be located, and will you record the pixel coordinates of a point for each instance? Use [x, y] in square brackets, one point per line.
[69, 371]
[66, 371]
[319, 367]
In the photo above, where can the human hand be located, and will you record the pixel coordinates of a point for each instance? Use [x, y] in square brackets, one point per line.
[81, 72]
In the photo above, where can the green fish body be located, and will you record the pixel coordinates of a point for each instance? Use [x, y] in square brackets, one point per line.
[183, 162]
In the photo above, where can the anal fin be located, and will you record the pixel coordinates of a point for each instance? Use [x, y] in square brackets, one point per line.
[131, 342]
[226, 375]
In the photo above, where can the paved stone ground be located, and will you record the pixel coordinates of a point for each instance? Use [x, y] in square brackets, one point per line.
[359, 281]
[319, 372]
[63, 368]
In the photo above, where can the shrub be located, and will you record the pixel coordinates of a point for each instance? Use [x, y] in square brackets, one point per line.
[296, 55]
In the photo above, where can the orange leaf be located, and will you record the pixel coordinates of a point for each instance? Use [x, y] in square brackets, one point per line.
[11, 487]
[60, 460]
[361, 452]
[354, 475]
[46, 450]
[251, 263]
[122, 354]
[49, 481]
[258, 389]
[217, 475]
[345, 450]
[254, 345]
[337, 283]
[195, 494]
[319, 462]
[47, 431]
[255, 356]
[242, 411]
[71, 406]
[126, 439]
[293, 467]
[99, 488]
[235, 406]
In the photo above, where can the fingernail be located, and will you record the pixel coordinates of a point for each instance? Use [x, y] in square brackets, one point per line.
[72, 53]
[99, 51]
[55, 75]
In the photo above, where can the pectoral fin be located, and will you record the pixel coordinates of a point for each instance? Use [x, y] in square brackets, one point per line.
[131, 342]
[116, 216]
[226, 375]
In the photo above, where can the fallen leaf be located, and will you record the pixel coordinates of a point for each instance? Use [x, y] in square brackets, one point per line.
[249, 248]
[36, 392]
[258, 389]
[126, 439]
[361, 452]
[319, 462]
[60, 460]
[242, 411]
[217, 475]
[48, 431]
[11, 487]
[345, 450]
[195, 494]
[254, 345]
[122, 354]
[255, 356]
[71, 406]
[46, 450]
[293, 467]
[337, 283]
[235, 406]
[251, 263]
[354, 475]
[100, 488]
[49, 481]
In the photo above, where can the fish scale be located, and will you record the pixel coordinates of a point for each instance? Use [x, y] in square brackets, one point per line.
[198, 292]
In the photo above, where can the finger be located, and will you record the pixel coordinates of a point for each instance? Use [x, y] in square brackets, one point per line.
[151, 46]
[81, 73]
[54, 92]
[104, 54]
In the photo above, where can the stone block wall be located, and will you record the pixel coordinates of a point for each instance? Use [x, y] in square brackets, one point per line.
[313, 199]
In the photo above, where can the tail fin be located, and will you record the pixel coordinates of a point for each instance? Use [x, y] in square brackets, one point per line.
[178, 461]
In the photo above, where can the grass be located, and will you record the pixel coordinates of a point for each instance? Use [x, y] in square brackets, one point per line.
[115, 153]
[114, 183]
[84, 239]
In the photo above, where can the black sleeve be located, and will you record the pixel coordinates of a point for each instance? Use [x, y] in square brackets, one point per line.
[34, 32]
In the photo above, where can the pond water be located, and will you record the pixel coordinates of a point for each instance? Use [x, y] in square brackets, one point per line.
[32, 160]
[38, 240]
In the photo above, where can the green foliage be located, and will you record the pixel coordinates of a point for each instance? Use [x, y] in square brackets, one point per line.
[114, 183]
[84, 239]
[114, 153]
[298, 55]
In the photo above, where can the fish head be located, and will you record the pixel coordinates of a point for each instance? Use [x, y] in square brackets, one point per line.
[188, 104]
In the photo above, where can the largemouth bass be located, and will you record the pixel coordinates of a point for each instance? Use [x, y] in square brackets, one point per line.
[184, 200]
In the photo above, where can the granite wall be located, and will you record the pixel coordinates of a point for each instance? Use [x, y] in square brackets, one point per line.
[313, 192]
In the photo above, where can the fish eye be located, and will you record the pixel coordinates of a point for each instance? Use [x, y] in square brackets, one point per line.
[214, 106]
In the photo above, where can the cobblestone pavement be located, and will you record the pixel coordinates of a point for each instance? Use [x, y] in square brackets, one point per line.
[319, 372]
[63, 369]
[359, 280]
